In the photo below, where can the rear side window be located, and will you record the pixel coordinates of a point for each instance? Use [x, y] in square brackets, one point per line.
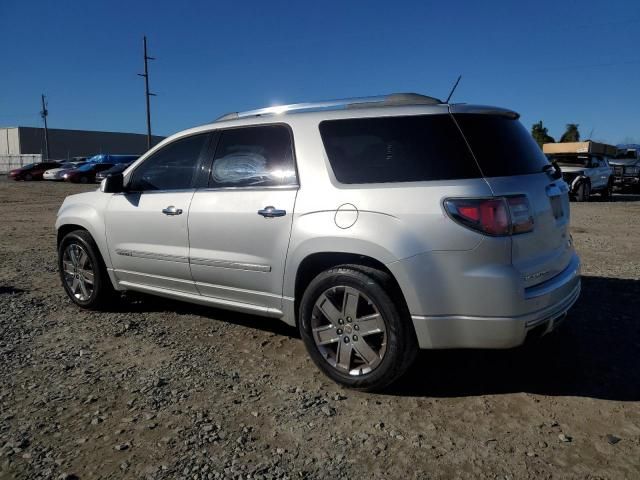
[254, 157]
[397, 149]
[502, 146]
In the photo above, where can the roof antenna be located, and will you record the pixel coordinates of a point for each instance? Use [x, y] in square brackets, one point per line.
[453, 89]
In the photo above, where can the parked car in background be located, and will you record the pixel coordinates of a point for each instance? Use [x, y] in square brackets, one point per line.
[584, 167]
[113, 159]
[119, 168]
[405, 223]
[86, 173]
[626, 167]
[33, 171]
[62, 168]
[98, 163]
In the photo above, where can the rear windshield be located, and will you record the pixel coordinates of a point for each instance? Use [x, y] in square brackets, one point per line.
[502, 146]
[397, 149]
[628, 154]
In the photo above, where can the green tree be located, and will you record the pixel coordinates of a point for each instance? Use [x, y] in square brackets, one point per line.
[571, 134]
[540, 134]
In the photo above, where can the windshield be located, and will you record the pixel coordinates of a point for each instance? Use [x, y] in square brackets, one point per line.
[629, 154]
[29, 165]
[571, 160]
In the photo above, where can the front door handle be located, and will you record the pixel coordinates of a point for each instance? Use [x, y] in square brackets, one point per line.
[270, 212]
[171, 210]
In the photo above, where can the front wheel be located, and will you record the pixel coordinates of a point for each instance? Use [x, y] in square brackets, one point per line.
[82, 271]
[28, 177]
[607, 192]
[356, 330]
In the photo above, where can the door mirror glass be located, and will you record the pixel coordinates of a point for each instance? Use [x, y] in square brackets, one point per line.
[113, 183]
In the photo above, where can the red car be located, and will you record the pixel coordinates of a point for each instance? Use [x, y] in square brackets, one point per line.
[86, 173]
[33, 171]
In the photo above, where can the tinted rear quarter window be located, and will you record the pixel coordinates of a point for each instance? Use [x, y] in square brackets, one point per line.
[397, 149]
[502, 146]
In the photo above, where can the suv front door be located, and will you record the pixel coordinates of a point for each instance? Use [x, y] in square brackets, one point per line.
[239, 226]
[146, 226]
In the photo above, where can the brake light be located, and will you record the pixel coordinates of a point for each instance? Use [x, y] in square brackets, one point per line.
[493, 216]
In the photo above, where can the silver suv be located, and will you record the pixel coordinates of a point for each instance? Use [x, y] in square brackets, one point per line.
[378, 226]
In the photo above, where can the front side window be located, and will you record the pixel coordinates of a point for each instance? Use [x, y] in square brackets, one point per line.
[173, 167]
[254, 157]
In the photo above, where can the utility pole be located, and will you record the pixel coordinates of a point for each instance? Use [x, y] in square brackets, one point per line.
[146, 91]
[44, 114]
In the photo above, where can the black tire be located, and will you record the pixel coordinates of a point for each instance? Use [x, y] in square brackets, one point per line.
[102, 292]
[84, 179]
[608, 191]
[377, 286]
[583, 192]
[28, 177]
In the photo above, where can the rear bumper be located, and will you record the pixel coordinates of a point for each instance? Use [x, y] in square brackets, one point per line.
[545, 305]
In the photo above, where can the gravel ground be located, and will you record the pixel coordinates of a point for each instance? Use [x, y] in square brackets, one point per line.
[160, 389]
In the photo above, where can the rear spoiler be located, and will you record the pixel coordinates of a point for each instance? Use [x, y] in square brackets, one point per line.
[483, 109]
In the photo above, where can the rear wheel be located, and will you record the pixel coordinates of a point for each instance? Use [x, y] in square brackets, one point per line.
[355, 328]
[84, 179]
[28, 177]
[583, 192]
[83, 274]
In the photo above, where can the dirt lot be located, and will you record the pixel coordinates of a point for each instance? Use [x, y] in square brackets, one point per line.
[160, 389]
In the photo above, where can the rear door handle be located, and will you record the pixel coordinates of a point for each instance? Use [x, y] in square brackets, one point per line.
[171, 210]
[270, 212]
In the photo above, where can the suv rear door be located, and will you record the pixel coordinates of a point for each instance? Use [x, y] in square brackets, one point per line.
[239, 227]
[513, 164]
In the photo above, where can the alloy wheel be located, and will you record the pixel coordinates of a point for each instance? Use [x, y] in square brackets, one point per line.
[349, 330]
[78, 272]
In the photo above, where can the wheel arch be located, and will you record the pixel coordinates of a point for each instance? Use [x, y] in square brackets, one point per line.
[315, 263]
[83, 217]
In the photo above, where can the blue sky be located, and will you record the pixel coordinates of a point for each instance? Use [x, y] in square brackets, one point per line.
[559, 61]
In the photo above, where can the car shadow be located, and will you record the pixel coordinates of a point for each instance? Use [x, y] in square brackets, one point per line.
[10, 290]
[625, 197]
[596, 353]
[134, 302]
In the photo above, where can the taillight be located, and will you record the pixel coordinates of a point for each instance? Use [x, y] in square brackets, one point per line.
[521, 218]
[493, 216]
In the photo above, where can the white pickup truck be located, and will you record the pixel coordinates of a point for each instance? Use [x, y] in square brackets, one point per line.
[585, 167]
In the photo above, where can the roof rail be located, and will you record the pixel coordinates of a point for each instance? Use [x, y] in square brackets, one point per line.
[394, 99]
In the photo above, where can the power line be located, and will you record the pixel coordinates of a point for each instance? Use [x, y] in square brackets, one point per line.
[44, 114]
[146, 91]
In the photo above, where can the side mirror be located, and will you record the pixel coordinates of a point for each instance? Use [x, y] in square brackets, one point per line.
[113, 184]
